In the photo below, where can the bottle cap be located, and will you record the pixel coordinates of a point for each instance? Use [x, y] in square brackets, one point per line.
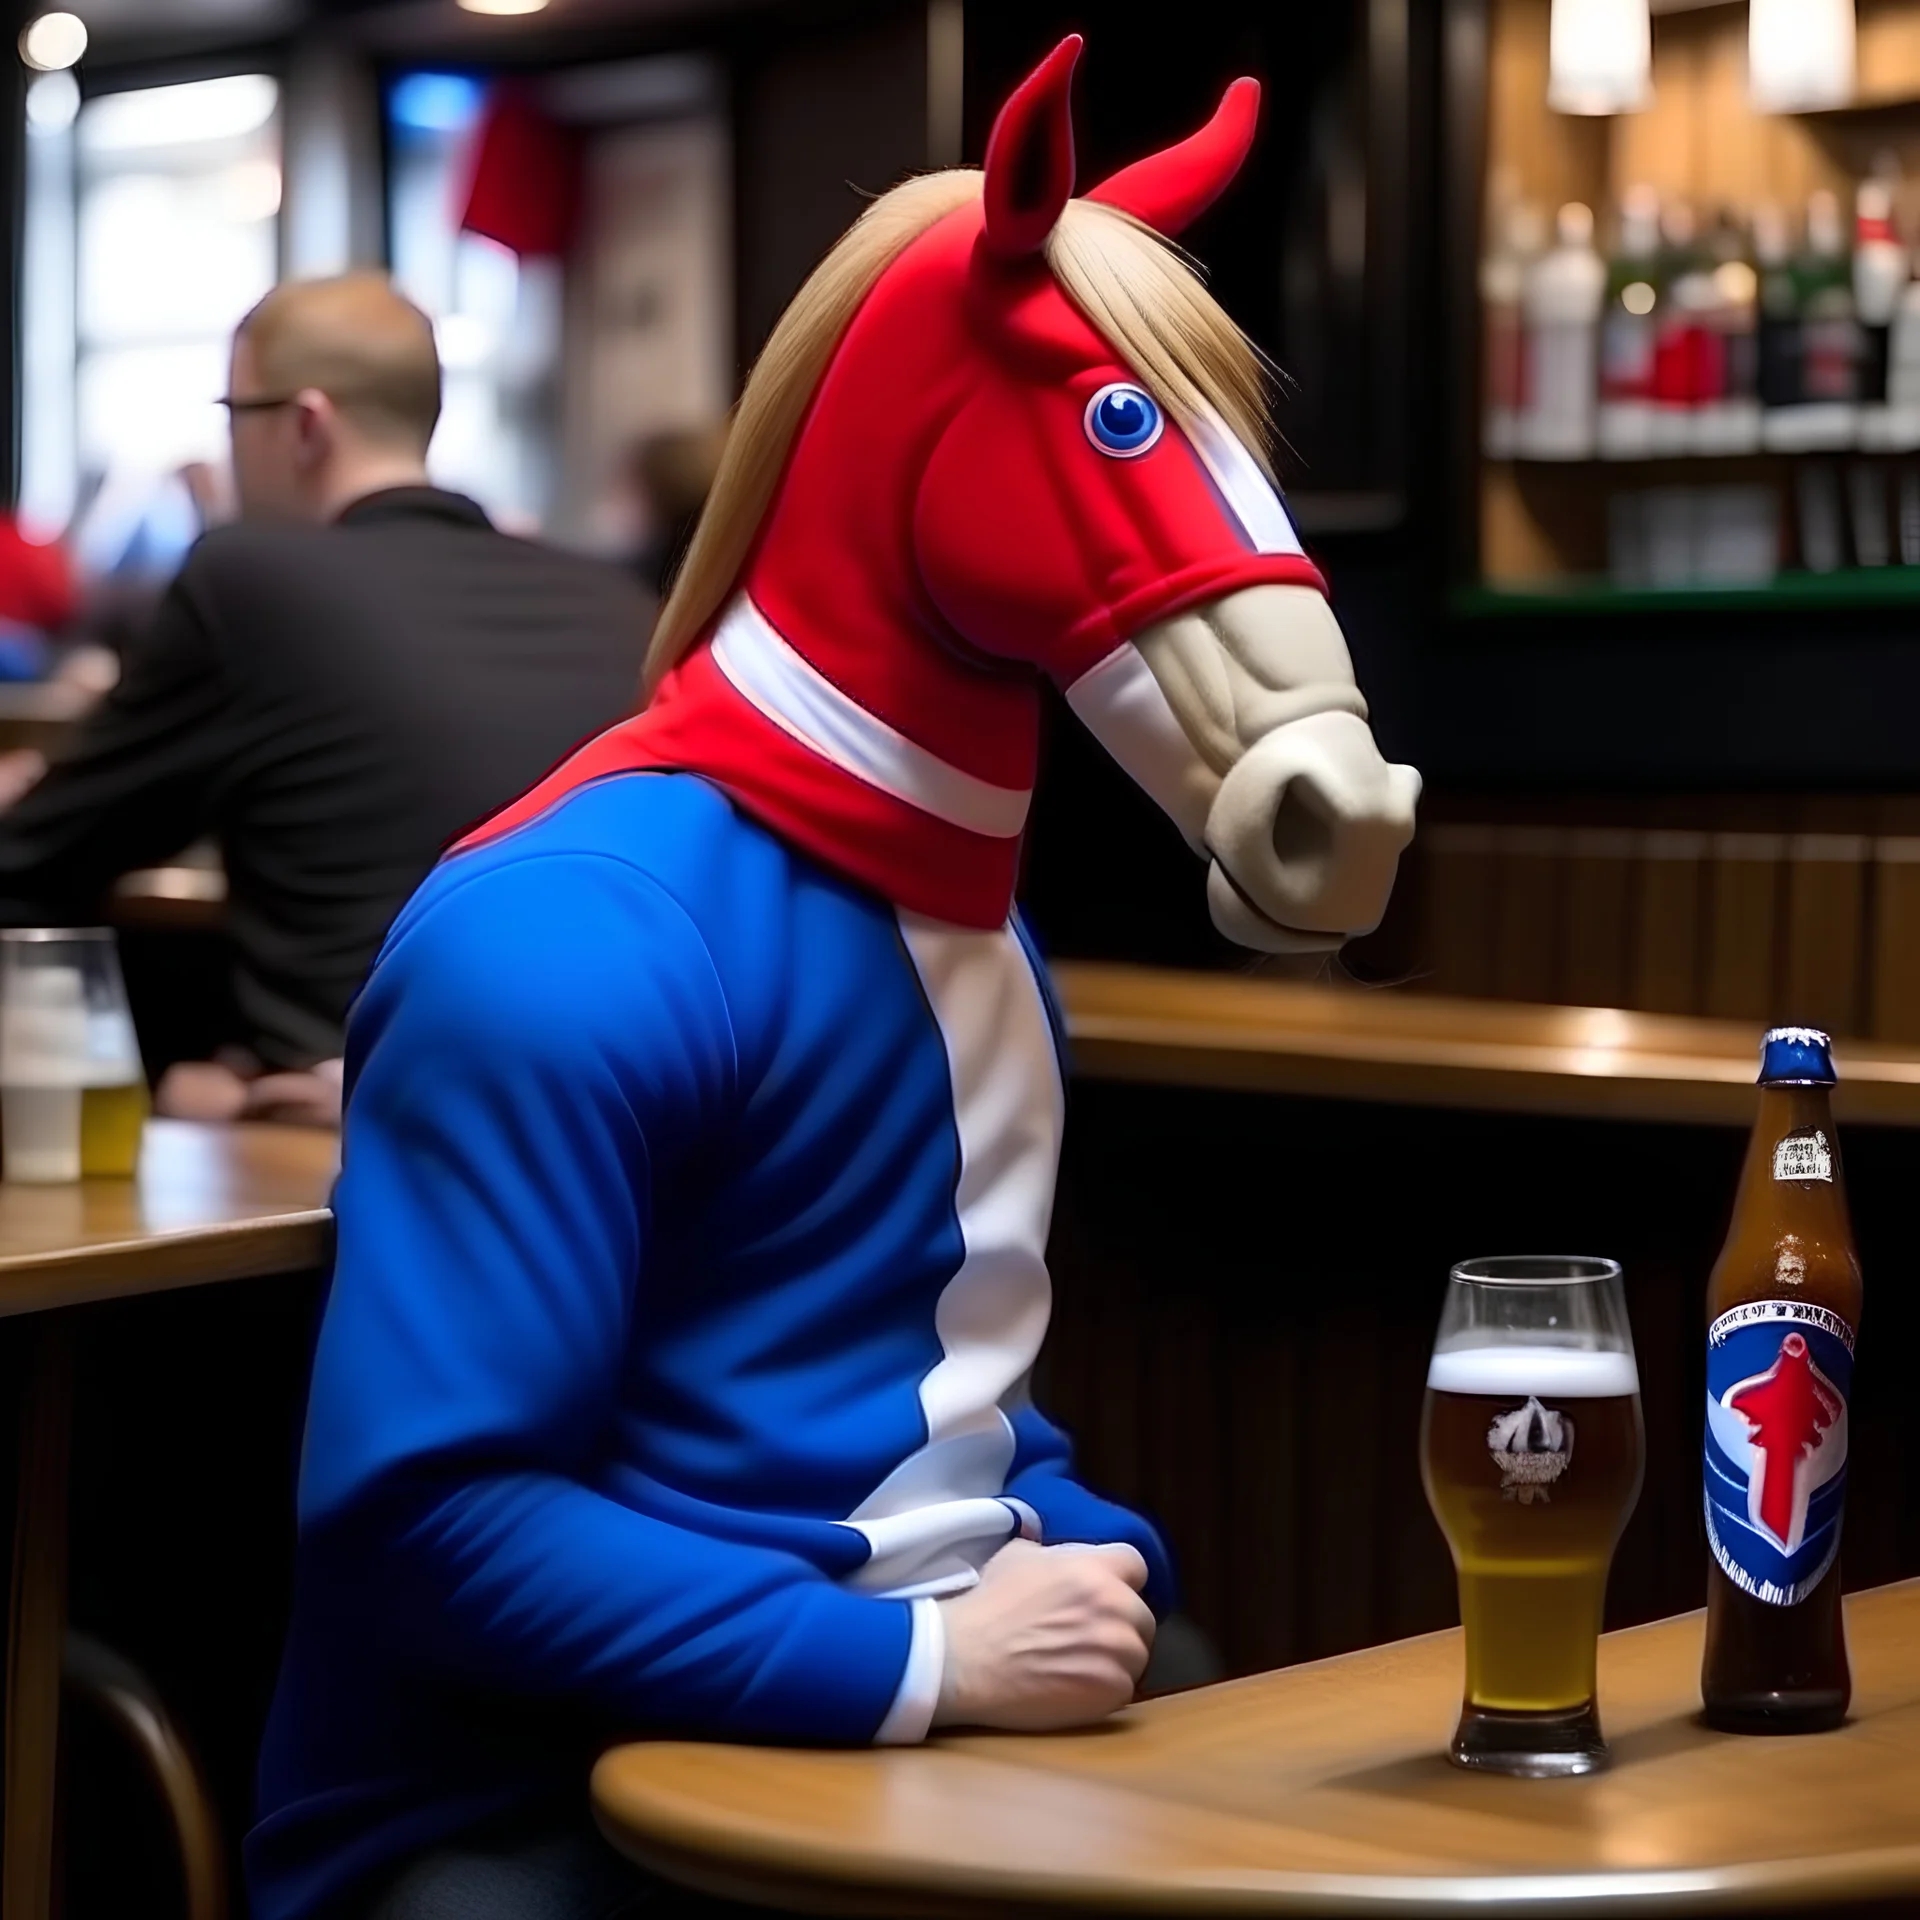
[1796, 1057]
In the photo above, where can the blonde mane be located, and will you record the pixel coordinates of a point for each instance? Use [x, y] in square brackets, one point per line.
[1127, 282]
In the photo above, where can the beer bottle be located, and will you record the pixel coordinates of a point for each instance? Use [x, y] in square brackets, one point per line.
[1782, 1307]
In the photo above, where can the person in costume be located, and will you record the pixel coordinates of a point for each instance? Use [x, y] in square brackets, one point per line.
[704, 1106]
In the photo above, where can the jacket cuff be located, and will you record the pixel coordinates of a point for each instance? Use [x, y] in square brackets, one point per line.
[1069, 1515]
[1029, 1527]
[911, 1714]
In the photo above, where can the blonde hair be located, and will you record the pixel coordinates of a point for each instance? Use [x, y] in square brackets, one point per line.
[366, 347]
[1133, 288]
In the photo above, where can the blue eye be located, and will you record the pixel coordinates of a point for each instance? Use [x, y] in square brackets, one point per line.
[1123, 421]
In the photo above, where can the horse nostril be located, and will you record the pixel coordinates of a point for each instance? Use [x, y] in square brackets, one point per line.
[1302, 837]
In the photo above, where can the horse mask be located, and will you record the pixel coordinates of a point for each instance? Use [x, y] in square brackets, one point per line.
[1003, 433]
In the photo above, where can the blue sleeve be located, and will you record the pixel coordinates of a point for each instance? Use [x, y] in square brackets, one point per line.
[1042, 1479]
[541, 1046]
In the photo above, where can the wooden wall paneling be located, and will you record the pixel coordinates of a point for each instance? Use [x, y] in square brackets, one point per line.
[1265, 1476]
[1887, 50]
[1701, 140]
[1825, 961]
[1742, 962]
[1668, 922]
[1664, 1548]
[1540, 522]
[1802, 907]
[1597, 924]
[1460, 884]
[1549, 157]
[1661, 144]
[1514, 545]
[1894, 1005]
[1185, 1425]
[1417, 1583]
[1341, 1598]
[1526, 920]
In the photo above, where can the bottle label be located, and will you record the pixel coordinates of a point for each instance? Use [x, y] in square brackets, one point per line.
[1778, 1376]
[1803, 1155]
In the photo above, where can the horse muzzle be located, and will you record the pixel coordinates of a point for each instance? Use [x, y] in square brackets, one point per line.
[1306, 834]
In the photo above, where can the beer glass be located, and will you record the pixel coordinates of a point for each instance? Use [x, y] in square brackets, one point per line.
[72, 1092]
[1531, 1449]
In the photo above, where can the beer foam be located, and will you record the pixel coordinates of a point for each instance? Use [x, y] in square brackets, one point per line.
[1561, 1373]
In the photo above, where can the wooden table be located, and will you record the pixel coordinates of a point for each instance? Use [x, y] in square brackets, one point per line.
[208, 1204]
[1317, 1790]
[1268, 1036]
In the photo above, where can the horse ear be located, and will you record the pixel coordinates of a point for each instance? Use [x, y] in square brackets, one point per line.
[1169, 190]
[1029, 175]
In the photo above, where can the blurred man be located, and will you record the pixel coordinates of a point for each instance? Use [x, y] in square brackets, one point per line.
[332, 689]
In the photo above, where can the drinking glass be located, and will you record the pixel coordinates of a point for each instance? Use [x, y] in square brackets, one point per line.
[73, 1096]
[1532, 1450]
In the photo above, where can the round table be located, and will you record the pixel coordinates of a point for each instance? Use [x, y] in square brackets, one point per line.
[1319, 1789]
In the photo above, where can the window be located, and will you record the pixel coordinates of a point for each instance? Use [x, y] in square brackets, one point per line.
[151, 229]
[496, 318]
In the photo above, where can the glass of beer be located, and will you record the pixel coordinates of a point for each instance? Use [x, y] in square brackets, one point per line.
[73, 1096]
[1531, 1448]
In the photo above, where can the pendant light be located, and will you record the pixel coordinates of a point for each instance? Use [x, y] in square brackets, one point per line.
[1600, 56]
[1799, 54]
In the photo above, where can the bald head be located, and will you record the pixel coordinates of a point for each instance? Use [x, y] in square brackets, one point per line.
[354, 339]
[334, 393]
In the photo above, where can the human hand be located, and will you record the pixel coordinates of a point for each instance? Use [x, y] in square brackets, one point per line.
[1051, 1637]
[224, 1090]
[310, 1098]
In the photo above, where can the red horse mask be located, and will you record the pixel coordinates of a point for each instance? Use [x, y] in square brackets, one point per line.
[983, 490]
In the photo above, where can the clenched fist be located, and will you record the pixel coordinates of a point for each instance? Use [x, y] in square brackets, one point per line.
[1051, 1637]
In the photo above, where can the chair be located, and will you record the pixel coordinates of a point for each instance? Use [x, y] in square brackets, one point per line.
[126, 1698]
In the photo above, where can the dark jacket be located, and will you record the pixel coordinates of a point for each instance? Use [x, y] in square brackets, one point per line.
[332, 704]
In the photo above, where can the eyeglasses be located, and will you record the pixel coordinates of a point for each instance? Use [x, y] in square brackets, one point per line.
[261, 403]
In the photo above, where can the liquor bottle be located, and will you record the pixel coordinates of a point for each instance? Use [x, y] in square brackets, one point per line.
[1734, 320]
[1782, 1307]
[1678, 338]
[1778, 319]
[1903, 372]
[1829, 330]
[1628, 326]
[1564, 295]
[1518, 235]
[1879, 279]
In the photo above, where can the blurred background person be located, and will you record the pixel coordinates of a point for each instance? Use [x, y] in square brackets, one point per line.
[331, 689]
[666, 481]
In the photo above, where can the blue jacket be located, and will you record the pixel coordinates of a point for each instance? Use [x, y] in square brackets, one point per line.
[690, 1273]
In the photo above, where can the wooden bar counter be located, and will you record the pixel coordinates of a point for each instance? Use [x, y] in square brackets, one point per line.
[1237, 1032]
[1318, 1790]
[208, 1204]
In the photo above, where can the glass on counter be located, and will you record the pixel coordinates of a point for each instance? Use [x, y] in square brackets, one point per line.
[1532, 1450]
[73, 1094]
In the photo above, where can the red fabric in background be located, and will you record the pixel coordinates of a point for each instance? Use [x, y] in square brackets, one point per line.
[36, 583]
[524, 186]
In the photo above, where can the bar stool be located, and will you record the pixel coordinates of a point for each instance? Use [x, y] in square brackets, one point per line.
[129, 1701]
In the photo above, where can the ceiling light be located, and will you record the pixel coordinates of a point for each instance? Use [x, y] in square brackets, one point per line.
[502, 6]
[1600, 56]
[54, 41]
[1799, 54]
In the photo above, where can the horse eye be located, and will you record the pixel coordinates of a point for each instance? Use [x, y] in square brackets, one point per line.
[1123, 420]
